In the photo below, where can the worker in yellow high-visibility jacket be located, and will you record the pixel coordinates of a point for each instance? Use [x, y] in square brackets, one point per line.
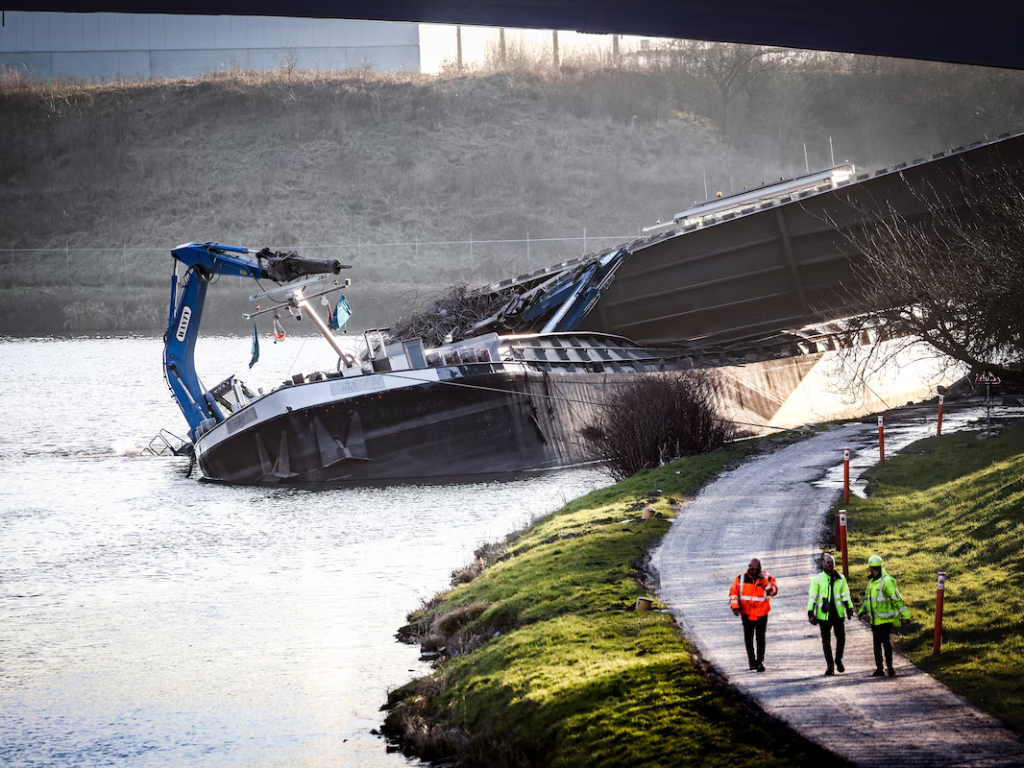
[828, 606]
[884, 607]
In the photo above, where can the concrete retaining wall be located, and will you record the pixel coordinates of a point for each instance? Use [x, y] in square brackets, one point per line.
[823, 387]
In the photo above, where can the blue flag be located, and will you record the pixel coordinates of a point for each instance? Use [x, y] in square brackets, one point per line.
[255, 347]
[342, 312]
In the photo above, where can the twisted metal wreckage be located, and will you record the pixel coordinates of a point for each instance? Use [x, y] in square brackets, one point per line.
[760, 272]
[489, 404]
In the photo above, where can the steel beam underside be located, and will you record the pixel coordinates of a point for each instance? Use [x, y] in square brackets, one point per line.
[939, 30]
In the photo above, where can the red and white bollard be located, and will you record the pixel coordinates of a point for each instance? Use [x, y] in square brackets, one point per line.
[940, 591]
[846, 474]
[881, 440]
[842, 543]
[938, 431]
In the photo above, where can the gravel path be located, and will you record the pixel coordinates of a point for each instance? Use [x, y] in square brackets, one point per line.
[773, 507]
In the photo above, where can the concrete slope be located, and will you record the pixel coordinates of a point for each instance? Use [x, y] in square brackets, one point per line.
[774, 507]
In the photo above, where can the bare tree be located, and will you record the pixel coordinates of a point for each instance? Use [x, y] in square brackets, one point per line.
[732, 69]
[952, 277]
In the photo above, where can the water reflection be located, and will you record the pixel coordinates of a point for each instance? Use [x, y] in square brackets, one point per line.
[150, 620]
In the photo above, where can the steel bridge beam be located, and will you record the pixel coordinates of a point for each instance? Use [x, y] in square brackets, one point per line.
[775, 266]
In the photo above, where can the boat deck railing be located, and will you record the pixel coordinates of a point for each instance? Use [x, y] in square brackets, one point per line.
[166, 442]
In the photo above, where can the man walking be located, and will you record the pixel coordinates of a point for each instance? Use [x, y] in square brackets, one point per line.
[750, 599]
[884, 607]
[828, 606]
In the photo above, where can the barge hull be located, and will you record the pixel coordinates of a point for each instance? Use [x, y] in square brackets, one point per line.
[495, 423]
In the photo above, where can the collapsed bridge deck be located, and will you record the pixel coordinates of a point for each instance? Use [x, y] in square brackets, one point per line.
[745, 272]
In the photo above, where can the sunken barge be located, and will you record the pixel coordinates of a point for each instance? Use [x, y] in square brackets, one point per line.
[491, 405]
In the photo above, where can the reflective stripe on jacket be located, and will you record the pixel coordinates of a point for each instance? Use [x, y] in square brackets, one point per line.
[883, 602]
[823, 590]
[753, 596]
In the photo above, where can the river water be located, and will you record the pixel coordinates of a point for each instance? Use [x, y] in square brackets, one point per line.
[147, 619]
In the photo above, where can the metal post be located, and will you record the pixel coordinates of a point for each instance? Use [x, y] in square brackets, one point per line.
[842, 543]
[988, 406]
[940, 592]
[584, 241]
[529, 268]
[322, 327]
[881, 440]
[846, 474]
[938, 430]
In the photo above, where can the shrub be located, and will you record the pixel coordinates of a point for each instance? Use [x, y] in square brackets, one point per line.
[655, 418]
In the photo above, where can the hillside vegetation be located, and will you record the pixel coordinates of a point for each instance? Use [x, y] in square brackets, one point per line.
[356, 160]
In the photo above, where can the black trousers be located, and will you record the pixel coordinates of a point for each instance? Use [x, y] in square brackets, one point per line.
[827, 627]
[752, 627]
[881, 639]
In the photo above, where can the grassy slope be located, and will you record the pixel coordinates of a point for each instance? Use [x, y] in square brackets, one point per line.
[335, 158]
[574, 676]
[958, 507]
[290, 160]
[339, 158]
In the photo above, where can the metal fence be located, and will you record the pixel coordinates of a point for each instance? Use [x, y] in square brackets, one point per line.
[427, 262]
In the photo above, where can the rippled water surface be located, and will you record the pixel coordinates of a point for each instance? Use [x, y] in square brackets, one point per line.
[150, 620]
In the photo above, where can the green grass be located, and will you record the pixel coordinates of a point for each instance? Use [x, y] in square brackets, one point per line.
[956, 506]
[560, 669]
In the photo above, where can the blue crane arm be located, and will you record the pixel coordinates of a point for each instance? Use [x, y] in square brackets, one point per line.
[203, 262]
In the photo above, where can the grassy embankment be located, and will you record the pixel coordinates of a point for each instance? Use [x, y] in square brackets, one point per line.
[382, 170]
[551, 665]
[954, 504]
[398, 174]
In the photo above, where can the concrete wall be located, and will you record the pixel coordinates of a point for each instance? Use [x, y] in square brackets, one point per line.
[109, 46]
[794, 391]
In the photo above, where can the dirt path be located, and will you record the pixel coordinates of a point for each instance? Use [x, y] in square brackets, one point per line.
[773, 507]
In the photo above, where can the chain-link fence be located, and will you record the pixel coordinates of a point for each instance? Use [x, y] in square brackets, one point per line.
[476, 262]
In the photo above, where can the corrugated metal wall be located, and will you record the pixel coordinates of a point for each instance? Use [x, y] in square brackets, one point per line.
[109, 46]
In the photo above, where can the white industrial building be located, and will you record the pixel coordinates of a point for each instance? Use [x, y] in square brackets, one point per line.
[112, 46]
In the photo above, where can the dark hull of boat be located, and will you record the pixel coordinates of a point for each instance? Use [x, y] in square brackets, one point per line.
[491, 423]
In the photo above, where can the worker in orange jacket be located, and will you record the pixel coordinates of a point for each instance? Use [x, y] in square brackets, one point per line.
[750, 599]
